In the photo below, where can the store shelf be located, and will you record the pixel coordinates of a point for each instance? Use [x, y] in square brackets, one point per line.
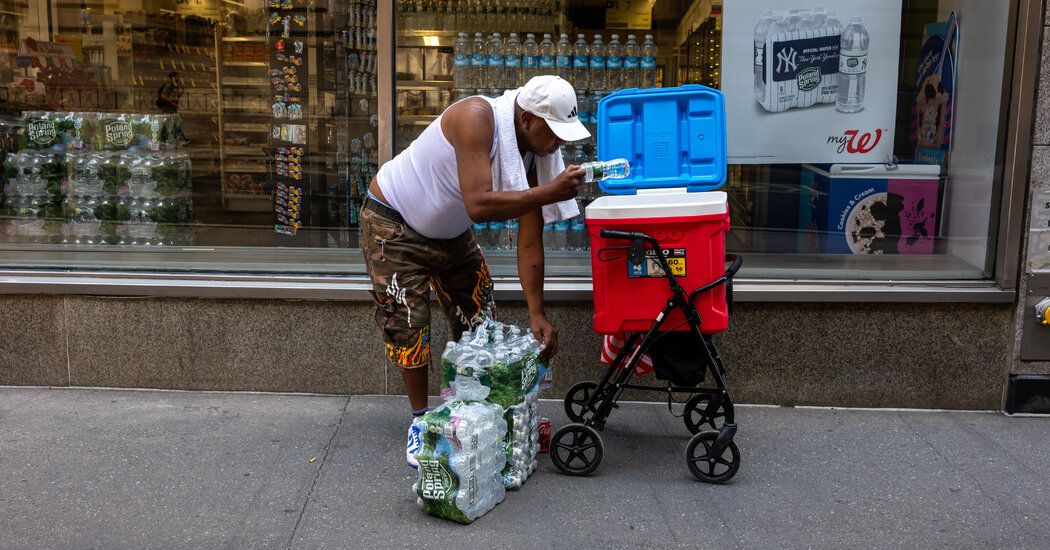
[244, 39]
[259, 168]
[244, 81]
[248, 203]
[416, 120]
[244, 150]
[424, 84]
[246, 127]
[244, 64]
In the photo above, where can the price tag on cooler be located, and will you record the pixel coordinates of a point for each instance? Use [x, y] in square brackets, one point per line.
[651, 266]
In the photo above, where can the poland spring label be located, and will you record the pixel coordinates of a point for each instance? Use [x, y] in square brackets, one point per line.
[799, 69]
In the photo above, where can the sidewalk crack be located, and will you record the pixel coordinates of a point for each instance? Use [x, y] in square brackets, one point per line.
[317, 475]
[976, 482]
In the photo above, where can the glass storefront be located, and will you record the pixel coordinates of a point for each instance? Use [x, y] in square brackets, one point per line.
[865, 138]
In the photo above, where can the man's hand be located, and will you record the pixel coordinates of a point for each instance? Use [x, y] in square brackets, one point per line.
[546, 335]
[567, 185]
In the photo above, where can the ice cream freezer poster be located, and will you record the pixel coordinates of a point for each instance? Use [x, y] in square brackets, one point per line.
[810, 83]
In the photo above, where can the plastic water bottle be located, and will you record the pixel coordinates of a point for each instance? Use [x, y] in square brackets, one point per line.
[510, 228]
[818, 18]
[548, 237]
[461, 62]
[853, 66]
[578, 233]
[512, 62]
[793, 19]
[614, 64]
[478, 62]
[606, 169]
[547, 56]
[530, 57]
[481, 234]
[761, 29]
[494, 53]
[596, 80]
[561, 235]
[580, 63]
[805, 25]
[496, 235]
[833, 23]
[648, 62]
[564, 59]
[630, 63]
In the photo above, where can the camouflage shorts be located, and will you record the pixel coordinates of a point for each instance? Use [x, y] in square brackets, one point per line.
[404, 265]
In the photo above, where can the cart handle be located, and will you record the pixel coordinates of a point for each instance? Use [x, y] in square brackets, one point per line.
[726, 278]
[629, 236]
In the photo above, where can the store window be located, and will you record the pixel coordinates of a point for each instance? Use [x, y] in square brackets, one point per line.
[199, 134]
[863, 137]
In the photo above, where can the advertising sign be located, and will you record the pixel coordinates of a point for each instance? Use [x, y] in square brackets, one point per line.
[810, 84]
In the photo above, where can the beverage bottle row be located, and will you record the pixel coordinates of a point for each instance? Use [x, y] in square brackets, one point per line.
[477, 15]
[565, 235]
[495, 63]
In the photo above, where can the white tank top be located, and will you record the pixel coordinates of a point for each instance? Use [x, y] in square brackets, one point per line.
[422, 184]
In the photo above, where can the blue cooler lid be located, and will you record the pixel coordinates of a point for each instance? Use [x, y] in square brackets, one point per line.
[673, 137]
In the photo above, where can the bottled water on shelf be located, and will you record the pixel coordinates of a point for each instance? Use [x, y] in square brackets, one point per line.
[496, 236]
[564, 58]
[630, 63]
[596, 79]
[478, 62]
[461, 62]
[547, 56]
[530, 57]
[481, 235]
[606, 169]
[561, 235]
[548, 237]
[494, 53]
[510, 234]
[648, 62]
[580, 63]
[853, 66]
[578, 239]
[512, 62]
[614, 64]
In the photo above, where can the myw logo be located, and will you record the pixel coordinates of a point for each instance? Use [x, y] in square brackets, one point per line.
[854, 142]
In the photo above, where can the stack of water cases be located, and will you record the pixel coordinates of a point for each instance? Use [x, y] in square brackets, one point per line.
[98, 178]
[808, 57]
[494, 368]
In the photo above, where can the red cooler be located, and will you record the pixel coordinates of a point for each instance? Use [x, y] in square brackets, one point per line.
[674, 139]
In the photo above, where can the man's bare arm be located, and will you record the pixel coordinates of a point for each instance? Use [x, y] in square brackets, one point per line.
[469, 126]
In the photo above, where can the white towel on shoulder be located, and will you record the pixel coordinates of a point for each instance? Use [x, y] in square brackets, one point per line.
[508, 170]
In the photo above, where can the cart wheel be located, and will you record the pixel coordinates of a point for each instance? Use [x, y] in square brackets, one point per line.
[708, 468]
[576, 449]
[576, 400]
[696, 417]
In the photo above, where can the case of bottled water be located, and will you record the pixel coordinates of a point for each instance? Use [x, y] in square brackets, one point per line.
[460, 455]
[798, 60]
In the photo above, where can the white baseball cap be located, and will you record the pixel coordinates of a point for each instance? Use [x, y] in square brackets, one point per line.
[553, 99]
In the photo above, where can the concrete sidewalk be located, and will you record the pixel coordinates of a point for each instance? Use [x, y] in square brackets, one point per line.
[145, 469]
